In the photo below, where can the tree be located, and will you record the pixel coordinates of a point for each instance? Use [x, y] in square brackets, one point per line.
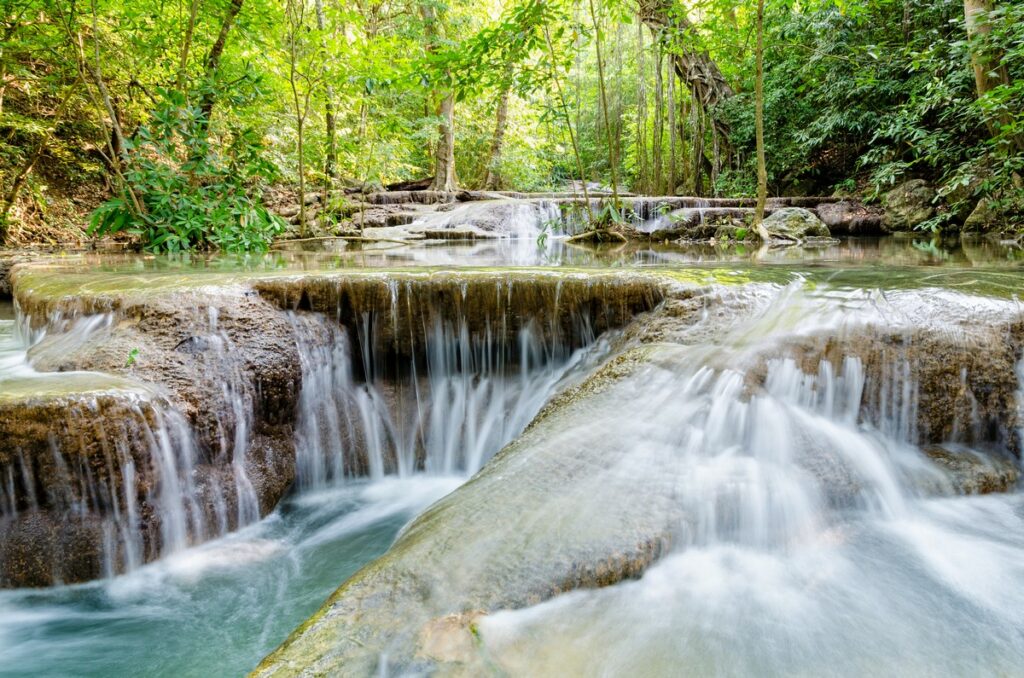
[762, 169]
[444, 153]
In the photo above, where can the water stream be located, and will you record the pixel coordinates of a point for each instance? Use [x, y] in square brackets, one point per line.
[817, 538]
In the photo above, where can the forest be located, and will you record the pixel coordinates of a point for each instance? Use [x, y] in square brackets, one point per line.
[183, 123]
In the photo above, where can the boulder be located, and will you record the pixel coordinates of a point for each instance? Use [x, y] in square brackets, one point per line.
[848, 217]
[984, 218]
[795, 224]
[908, 205]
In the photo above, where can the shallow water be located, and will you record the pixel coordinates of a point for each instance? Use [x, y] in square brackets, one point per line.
[216, 609]
[907, 585]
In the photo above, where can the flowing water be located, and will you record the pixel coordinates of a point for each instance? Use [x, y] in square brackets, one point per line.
[872, 564]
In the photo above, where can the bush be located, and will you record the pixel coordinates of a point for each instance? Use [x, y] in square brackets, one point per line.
[181, 192]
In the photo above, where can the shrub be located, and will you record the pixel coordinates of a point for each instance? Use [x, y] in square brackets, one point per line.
[181, 192]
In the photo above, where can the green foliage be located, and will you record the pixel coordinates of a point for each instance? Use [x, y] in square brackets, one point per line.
[883, 92]
[182, 192]
[859, 95]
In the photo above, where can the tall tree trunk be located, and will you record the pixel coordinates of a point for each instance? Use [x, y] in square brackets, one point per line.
[698, 149]
[493, 180]
[444, 151]
[659, 118]
[331, 155]
[213, 57]
[612, 160]
[672, 178]
[186, 45]
[643, 183]
[989, 71]
[762, 170]
[684, 174]
[695, 67]
[444, 156]
[568, 120]
[295, 11]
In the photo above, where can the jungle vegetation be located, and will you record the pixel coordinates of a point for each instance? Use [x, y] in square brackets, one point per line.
[174, 118]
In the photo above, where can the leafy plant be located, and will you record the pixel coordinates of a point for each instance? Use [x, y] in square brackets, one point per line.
[181, 192]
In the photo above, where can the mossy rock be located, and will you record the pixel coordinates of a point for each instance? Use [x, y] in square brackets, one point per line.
[795, 223]
[908, 205]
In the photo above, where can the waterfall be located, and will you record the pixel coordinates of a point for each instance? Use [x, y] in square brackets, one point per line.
[815, 532]
[115, 447]
[506, 218]
[460, 400]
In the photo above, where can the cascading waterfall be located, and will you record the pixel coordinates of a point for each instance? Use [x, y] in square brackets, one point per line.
[514, 219]
[238, 397]
[148, 454]
[460, 401]
[812, 541]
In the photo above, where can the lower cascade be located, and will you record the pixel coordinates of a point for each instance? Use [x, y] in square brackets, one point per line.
[512, 472]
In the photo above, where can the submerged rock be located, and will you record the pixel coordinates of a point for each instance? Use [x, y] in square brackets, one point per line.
[971, 472]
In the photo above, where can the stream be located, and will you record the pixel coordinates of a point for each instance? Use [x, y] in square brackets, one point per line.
[770, 574]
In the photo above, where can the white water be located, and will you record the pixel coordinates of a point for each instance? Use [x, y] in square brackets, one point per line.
[782, 568]
[514, 219]
[213, 609]
[467, 399]
[812, 543]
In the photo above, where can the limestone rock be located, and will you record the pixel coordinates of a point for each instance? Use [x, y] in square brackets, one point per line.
[795, 224]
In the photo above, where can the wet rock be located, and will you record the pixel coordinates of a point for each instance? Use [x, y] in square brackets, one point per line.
[692, 223]
[400, 305]
[908, 205]
[226, 361]
[847, 217]
[972, 472]
[449, 640]
[795, 224]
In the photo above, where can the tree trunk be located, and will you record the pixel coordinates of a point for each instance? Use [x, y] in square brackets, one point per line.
[444, 152]
[698, 149]
[643, 178]
[493, 180]
[294, 10]
[989, 70]
[612, 160]
[330, 156]
[186, 45]
[762, 170]
[444, 156]
[568, 120]
[214, 55]
[672, 178]
[694, 67]
[659, 118]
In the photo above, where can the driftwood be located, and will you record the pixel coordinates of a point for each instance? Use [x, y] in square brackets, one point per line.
[414, 185]
[598, 235]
